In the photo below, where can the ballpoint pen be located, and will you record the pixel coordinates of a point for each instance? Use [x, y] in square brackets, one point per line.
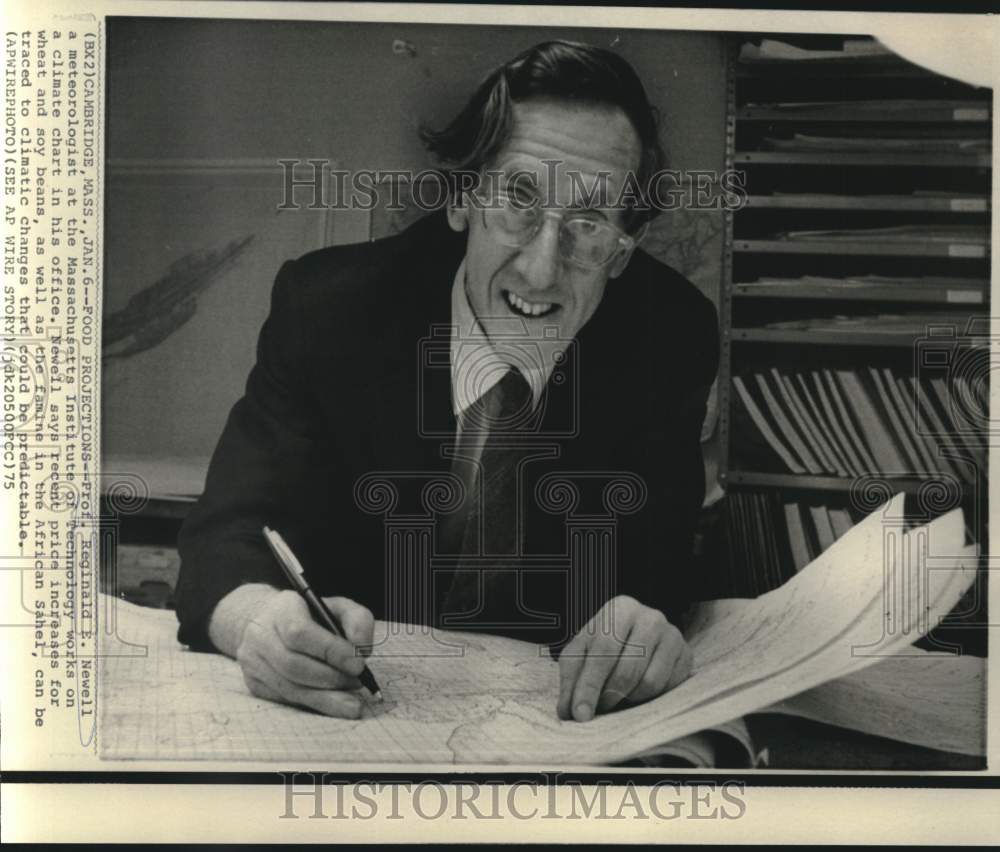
[296, 576]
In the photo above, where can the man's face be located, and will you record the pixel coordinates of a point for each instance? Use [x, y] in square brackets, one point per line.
[534, 283]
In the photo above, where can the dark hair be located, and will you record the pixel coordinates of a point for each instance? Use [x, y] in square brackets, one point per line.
[562, 70]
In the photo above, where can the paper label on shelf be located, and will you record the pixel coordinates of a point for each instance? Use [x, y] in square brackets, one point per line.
[970, 114]
[965, 250]
[965, 297]
[968, 205]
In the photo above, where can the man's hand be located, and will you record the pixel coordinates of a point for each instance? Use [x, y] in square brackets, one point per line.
[598, 670]
[287, 657]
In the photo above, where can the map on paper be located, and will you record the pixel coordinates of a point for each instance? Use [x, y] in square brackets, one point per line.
[469, 698]
[178, 704]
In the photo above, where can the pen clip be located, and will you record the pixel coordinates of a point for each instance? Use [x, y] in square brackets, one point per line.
[285, 558]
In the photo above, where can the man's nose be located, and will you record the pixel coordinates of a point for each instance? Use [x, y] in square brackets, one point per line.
[538, 261]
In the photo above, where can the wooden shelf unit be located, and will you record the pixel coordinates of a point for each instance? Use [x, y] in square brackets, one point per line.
[810, 189]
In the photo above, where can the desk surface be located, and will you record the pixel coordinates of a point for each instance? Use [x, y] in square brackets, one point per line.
[450, 699]
[793, 743]
[170, 703]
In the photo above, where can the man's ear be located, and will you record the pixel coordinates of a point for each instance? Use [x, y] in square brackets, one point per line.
[458, 214]
[619, 263]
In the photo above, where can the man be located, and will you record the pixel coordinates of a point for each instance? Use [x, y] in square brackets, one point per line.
[334, 396]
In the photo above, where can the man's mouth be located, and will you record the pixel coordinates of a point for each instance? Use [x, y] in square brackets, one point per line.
[524, 308]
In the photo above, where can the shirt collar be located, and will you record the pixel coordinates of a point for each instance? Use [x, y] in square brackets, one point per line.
[476, 363]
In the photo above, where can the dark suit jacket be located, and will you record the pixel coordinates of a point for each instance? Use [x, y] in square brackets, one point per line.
[341, 388]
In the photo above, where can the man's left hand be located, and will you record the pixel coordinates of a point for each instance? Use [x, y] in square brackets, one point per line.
[626, 651]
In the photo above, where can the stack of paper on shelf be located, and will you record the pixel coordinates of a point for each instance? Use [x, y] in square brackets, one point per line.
[872, 143]
[771, 49]
[932, 289]
[849, 423]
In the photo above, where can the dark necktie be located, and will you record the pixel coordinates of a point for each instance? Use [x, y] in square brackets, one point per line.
[487, 535]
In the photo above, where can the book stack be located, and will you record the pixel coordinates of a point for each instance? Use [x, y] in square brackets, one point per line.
[854, 422]
[772, 537]
[812, 529]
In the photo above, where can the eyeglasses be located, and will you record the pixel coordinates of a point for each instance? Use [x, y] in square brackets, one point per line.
[583, 240]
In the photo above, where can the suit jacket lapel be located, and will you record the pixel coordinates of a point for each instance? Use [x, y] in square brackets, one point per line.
[412, 396]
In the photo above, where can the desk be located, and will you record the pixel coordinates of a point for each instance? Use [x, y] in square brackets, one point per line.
[161, 702]
[804, 744]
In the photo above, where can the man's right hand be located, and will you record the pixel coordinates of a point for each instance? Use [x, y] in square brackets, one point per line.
[286, 656]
